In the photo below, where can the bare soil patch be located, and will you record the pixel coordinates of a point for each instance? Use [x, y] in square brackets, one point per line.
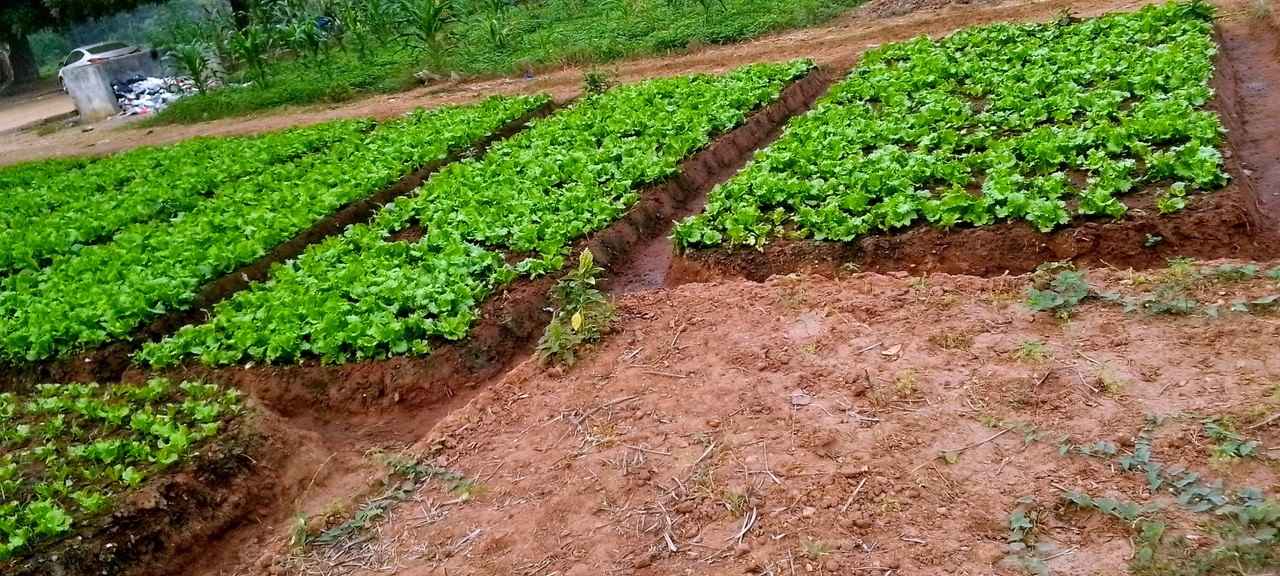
[741, 427]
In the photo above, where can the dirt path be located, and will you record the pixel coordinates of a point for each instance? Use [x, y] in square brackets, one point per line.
[17, 113]
[818, 414]
[837, 45]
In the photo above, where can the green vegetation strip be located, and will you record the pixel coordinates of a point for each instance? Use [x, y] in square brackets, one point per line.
[69, 451]
[15, 178]
[107, 290]
[362, 295]
[196, 168]
[480, 37]
[1005, 122]
[54, 188]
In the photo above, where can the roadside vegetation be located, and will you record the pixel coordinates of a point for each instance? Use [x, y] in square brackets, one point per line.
[302, 51]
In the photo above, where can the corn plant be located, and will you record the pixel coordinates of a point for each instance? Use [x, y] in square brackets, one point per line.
[304, 37]
[363, 21]
[251, 46]
[191, 58]
[424, 23]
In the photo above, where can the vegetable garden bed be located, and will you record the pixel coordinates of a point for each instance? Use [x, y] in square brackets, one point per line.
[506, 322]
[1014, 145]
[90, 460]
[92, 208]
[154, 277]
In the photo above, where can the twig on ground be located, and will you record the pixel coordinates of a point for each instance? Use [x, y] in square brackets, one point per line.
[649, 450]
[747, 522]
[871, 347]
[705, 453]
[980, 442]
[608, 404]
[676, 338]
[845, 508]
[1265, 421]
[666, 533]
[661, 373]
[1062, 553]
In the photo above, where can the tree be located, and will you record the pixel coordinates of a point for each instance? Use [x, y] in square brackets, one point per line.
[18, 18]
[6, 70]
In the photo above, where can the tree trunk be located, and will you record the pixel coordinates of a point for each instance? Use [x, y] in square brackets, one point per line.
[6, 70]
[240, 13]
[23, 60]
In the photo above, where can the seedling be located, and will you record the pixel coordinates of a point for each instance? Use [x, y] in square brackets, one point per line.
[814, 549]
[1234, 272]
[582, 313]
[1064, 293]
[1227, 443]
[1031, 351]
[595, 82]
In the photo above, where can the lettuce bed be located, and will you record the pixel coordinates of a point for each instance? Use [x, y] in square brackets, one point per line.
[105, 291]
[365, 294]
[1036, 122]
[188, 174]
[68, 451]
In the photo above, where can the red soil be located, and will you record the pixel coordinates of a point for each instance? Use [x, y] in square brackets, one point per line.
[820, 408]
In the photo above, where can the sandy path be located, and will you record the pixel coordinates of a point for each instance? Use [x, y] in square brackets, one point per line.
[15, 114]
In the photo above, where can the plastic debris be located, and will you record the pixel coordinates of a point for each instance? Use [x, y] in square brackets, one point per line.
[140, 95]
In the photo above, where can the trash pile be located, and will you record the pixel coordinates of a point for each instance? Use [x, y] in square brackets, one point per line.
[148, 94]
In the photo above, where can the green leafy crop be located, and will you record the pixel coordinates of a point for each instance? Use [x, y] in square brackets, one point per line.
[176, 181]
[106, 290]
[1038, 122]
[369, 294]
[68, 451]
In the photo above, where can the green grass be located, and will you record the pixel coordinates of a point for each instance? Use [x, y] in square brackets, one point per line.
[539, 35]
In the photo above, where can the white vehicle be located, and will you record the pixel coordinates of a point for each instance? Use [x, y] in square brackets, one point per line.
[93, 54]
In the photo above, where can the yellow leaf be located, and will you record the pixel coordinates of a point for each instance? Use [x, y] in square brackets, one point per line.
[576, 321]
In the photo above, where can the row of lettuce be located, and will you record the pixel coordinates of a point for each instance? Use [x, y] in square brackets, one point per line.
[1039, 122]
[51, 218]
[105, 291]
[365, 294]
[70, 452]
